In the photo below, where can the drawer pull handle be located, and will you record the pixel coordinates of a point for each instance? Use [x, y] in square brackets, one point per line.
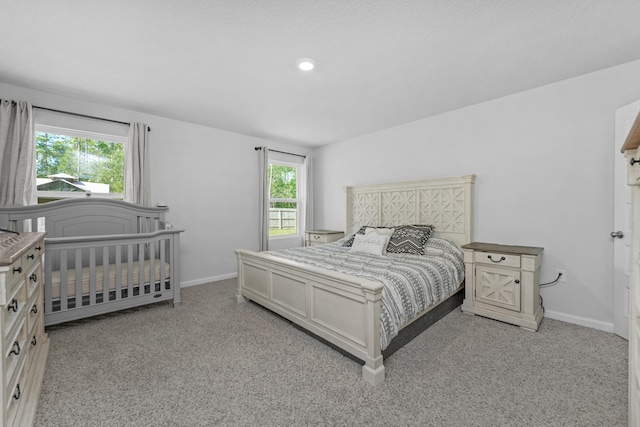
[17, 394]
[517, 281]
[34, 341]
[31, 256]
[16, 348]
[493, 260]
[13, 305]
[38, 248]
[33, 278]
[634, 161]
[17, 270]
[34, 309]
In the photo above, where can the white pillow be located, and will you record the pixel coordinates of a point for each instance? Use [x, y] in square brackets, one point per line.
[371, 243]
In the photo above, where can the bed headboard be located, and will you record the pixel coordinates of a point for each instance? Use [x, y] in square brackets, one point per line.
[447, 203]
[83, 217]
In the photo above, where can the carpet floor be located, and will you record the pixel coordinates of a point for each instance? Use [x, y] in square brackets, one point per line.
[213, 362]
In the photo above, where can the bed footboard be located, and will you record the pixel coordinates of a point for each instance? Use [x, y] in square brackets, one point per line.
[341, 309]
[87, 276]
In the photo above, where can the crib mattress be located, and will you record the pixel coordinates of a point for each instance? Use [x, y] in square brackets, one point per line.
[99, 273]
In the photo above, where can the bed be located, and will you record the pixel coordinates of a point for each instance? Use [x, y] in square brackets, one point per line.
[101, 255]
[345, 310]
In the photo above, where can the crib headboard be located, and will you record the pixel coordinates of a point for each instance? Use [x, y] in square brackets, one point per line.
[447, 203]
[83, 217]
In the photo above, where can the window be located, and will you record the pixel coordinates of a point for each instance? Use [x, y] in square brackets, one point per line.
[75, 163]
[284, 199]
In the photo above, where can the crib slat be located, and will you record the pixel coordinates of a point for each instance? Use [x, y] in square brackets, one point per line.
[105, 273]
[118, 272]
[129, 271]
[92, 276]
[64, 300]
[78, 267]
[141, 268]
[152, 267]
[163, 276]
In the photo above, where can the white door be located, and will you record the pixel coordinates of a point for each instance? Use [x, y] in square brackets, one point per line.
[625, 117]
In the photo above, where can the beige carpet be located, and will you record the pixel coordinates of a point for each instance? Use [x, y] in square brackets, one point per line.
[214, 362]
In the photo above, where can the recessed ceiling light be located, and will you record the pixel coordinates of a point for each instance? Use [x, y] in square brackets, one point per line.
[306, 64]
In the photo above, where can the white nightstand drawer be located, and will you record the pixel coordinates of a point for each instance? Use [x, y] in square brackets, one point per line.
[495, 258]
[321, 237]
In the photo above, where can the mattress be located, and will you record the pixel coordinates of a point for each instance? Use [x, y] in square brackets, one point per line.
[412, 283]
[86, 277]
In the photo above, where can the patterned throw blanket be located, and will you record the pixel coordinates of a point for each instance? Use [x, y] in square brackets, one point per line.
[411, 282]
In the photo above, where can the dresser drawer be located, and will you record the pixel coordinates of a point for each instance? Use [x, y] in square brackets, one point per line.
[14, 273]
[31, 256]
[34, 311]
[498, 259]
[12, 311]
[14, 395]
[15, 354]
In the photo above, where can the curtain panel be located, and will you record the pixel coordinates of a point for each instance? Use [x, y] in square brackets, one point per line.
[263, 198]
[17, 154]
[137, 173]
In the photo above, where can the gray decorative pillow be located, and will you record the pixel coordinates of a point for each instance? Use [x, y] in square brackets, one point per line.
[408, 239]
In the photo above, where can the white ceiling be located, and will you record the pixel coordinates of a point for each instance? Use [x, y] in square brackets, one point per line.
[231, 64]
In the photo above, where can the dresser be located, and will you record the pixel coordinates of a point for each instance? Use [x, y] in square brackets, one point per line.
[24, 344]
[502, 282]
[321, 237]
[631, 150]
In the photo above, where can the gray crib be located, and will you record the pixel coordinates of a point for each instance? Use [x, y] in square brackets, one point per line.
[101, 255]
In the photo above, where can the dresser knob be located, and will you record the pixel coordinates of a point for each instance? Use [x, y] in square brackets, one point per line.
[34, 309]
[17, 270]
[13, 305]
[34, 341]
[16, 349]
[517, 281]
[31, 256]
[33, 278]
[38, 248]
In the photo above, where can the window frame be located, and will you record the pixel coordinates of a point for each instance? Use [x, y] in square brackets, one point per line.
[58, 130]
[298, 200]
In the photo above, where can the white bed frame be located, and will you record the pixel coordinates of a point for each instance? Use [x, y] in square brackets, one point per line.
[345, 310]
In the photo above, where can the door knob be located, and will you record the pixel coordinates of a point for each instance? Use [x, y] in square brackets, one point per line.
[617, 234]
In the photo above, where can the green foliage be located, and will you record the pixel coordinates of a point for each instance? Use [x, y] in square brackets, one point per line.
[88, 159]
[283, 184]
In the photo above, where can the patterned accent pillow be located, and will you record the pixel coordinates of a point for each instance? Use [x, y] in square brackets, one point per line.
[408, 239]
[428, 229]
[349, 241]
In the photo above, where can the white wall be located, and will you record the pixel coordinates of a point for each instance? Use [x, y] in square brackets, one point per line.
[208, 177]
[544, 165]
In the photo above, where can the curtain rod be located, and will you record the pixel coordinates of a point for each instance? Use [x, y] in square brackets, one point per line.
[283, 152]
[84, 115]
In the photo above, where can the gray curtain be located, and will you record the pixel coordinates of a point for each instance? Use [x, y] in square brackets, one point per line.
[263, 198]
[137, 175]
[17, 154]
[308, 192]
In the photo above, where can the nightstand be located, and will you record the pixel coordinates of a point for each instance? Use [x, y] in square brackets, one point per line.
[503, 283]
[320, 237]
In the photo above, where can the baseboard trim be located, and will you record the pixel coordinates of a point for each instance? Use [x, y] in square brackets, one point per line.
[208, 280]
[582, 321]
